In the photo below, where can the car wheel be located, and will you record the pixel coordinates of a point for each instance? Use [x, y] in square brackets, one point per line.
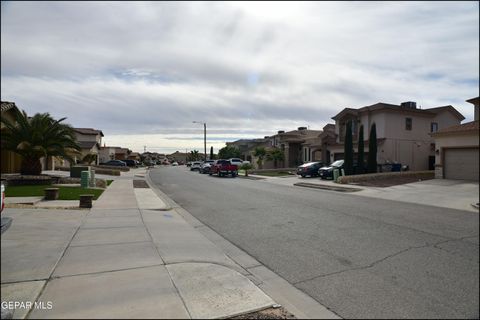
[303, 176]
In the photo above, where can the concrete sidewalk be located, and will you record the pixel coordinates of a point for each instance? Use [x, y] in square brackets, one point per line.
[132, 256]
[444, 193]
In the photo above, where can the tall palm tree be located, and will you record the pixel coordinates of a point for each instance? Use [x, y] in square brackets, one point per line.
[37, 137]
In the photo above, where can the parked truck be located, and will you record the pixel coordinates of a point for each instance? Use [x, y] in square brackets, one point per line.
[223, 167]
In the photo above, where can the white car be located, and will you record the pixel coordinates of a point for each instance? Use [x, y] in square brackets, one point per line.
[175, 164]
[196, 165]
[238, 162]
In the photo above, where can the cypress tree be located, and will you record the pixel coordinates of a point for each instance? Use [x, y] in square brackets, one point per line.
[348, 164]
[211, 153]
[361, 153]
[372, 150]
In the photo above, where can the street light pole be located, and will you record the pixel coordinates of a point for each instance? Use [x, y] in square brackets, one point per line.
[204, 139]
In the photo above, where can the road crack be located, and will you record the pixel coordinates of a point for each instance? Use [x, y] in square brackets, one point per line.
[371, 265]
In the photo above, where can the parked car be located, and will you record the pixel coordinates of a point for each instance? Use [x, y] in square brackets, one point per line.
[175, 164]
[196, 165]
[117, 163]
[189, 164]
[223, 167]
[327, 172]
[131, 163]
[205, 168]
[309, 169]
[238, 162]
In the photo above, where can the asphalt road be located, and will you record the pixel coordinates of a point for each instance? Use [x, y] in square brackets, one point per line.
[360, 257]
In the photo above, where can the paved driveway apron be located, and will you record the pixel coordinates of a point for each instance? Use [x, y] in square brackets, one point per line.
[361, 257]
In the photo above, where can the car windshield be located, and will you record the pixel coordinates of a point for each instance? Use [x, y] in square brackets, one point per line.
[337, 163]
[308, 164]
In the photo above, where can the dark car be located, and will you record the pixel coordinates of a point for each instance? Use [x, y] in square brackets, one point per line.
[131, 163]
[309, 169]
[117, 163]
[327, 172]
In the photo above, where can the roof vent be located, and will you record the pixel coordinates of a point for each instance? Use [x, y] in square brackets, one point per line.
[281, 131]
[266, 137]
[409, 105]
[302, 128]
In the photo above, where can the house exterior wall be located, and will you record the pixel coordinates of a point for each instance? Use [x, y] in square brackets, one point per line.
[454, 140]
[106, 154]
[409, 147]
[89, 137]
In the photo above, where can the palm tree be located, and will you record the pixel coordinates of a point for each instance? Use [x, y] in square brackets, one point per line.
[37, 137]
[275, 155]
[194, 155]
[260, 153]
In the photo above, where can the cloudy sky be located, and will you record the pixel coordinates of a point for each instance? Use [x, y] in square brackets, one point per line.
[142, 72]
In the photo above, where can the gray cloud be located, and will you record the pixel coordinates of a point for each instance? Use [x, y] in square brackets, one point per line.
[153, 67]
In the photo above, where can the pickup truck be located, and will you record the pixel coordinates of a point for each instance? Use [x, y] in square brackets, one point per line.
[223, 168]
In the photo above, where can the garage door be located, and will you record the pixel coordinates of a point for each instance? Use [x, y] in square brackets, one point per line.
[461, 164]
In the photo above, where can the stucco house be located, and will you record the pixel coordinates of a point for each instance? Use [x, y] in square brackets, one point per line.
[292, 145]
[122, 153]
[457, 149]
[247, 146]
[106, 154]
[316, 148]
[10, 161]
[403, 131]
[90, 141]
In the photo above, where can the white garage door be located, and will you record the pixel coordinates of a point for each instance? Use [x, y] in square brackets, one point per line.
[461, 164]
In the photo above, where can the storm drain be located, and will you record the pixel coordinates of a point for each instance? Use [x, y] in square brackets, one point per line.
[140, 184]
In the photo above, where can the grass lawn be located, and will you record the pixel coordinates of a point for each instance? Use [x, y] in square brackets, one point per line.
[64, 193]
[109, 182]
[273, 173]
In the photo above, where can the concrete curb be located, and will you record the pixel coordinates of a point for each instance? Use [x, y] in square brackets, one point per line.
[326, 187]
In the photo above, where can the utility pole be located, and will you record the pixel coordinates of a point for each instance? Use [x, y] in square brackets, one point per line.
[204, 139]
[144, 149]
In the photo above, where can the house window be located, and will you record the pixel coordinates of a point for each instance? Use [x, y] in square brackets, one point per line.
[408, 124]
[433, 127]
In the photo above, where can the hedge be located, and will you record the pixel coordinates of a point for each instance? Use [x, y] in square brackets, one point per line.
[385, 175]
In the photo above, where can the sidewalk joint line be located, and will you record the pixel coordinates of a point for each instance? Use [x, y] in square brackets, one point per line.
[106, 271]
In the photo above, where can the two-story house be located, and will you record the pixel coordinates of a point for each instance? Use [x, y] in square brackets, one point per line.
[403, 132]
[292, 145]
[90, 141]
[10, 161]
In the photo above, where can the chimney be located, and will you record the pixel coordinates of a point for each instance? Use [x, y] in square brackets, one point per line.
[280, 131]
[302, 128]
[409, 105]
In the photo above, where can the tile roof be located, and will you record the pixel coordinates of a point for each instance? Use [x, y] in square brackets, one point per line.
[5, 106]
[88, 131]
[460, 128]
[394, 107]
